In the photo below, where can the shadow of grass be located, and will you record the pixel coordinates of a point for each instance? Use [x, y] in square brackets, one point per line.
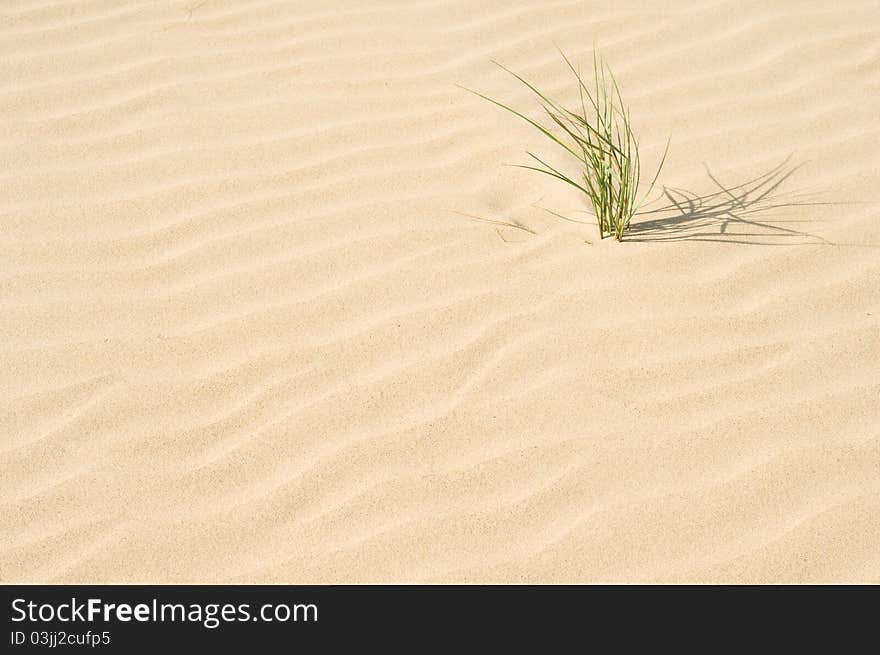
[733, 214]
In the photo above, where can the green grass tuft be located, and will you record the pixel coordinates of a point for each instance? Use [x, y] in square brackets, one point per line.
[598, 133]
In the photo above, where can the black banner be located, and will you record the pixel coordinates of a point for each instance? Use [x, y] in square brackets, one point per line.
[152, 618]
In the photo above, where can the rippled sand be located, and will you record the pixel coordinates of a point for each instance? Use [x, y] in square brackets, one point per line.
[264, 319]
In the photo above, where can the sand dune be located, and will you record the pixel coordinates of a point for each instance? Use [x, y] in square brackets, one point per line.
[267, 315]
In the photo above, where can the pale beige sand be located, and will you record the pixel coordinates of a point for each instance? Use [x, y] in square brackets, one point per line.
[246, 337]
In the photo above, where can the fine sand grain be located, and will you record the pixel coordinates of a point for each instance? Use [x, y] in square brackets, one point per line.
[274, 310]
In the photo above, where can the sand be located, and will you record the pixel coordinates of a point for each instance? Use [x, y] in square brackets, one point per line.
[263, 319]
